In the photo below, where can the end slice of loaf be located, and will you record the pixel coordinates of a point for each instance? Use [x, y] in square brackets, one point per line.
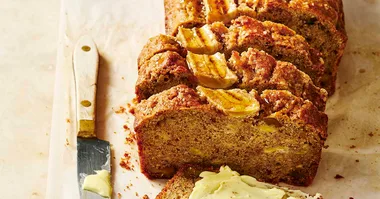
[183, 182]
[282, 142]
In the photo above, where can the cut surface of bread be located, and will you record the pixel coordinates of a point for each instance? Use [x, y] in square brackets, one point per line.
[251, 69]
[320, 22]
[274, 136]
[182, 184]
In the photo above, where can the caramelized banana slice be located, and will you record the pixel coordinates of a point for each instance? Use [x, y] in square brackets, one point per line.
[220, 10]
[211, 70]
[199, 40]
[235, 102]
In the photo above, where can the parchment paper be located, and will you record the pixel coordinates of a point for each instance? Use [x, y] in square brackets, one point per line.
[121, 27]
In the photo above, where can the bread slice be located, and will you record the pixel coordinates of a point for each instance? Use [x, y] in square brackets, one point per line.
[320, 22]
[245, 32]
[159, 44]
[252, 69]
[161, 72]
[258, 70]
[274, 136]
[183, 183]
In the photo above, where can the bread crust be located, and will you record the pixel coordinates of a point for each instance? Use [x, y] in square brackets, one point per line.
[320, 22]
[159, 44]
[161, 72]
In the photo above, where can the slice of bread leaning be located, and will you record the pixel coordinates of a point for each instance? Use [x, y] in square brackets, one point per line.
[182, 184]
[274, 136]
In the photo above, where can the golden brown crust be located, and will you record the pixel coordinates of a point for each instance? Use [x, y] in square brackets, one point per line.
[159, 44]
[161, 72]
[320, 22]
[279, 108]
[258, 70]
[186, 13]
[276, 39]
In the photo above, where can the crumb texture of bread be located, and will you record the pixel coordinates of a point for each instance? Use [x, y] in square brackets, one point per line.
[320, 22]
[283, 143]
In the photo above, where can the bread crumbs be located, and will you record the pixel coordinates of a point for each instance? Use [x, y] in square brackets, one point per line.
[68, 120]
[129, 186]
[125, 162]
[130, 139]
[119, 195]
[137, 194]
[337, 176]
[126, 128]
[371, 134]
[120, 110]
[145, 197]
[356, 160]
[352, 146]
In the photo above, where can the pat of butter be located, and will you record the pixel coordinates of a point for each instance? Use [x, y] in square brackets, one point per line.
[229, 184]
[99, 183]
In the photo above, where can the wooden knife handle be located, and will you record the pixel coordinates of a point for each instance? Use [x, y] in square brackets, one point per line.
[86, 60]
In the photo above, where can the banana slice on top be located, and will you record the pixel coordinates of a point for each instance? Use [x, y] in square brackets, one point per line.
[199, 40]
[211, 70]
[235, 102]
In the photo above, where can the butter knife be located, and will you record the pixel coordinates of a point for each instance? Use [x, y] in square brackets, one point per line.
[93, 154]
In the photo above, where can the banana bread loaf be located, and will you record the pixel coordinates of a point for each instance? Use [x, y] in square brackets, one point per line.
[182, 184]
[274, 136]
[320, 22]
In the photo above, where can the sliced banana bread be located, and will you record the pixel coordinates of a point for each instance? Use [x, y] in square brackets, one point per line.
[258, 70]
[245, 32]
[182, 184]
[321, 22]
[274, 136]
[253, 69]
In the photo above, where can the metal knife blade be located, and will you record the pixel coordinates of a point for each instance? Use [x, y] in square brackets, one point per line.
[93, 154]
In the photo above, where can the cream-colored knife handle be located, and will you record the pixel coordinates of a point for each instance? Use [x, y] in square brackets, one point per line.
[86, 60]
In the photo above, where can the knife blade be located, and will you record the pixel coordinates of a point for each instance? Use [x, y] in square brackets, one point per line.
[92, 153]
